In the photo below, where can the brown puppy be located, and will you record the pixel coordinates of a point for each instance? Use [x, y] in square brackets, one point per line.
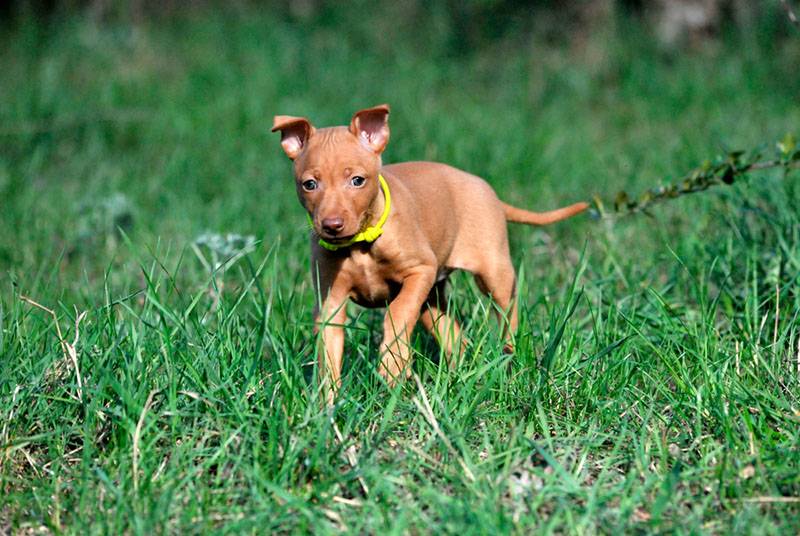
[437, 219]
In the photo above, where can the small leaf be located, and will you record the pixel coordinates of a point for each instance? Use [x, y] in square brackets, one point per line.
[621, 201]
[598, 209]
[727, 175]
[788, 144]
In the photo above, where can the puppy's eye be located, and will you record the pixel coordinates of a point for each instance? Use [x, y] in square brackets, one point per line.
[309, 185]
[358, 181]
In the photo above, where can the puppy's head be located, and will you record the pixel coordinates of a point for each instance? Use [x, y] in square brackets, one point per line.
[336, 169]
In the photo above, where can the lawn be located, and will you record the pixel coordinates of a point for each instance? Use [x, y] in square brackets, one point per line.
[144, 202]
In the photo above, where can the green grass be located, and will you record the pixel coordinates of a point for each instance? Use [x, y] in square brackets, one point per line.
[656, 382]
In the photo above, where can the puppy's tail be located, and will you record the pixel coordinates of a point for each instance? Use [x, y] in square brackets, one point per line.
[518, 215]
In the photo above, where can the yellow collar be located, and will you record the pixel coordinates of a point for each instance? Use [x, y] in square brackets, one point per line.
[370, 234]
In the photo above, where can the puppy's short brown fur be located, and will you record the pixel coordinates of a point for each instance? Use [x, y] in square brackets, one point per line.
[441, 219]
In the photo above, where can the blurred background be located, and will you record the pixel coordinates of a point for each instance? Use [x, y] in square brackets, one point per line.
[466, 25]
[151, 119]
[656, 358]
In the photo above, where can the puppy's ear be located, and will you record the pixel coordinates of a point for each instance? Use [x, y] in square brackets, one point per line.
[371, 127]
[295, 132]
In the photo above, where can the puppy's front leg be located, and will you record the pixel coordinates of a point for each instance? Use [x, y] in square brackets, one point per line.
[400, 320]
[330, 318]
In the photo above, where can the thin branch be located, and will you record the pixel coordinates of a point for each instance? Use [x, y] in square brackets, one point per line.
[766, 499]
[9, 420]
[137, 434]
[350, 454]
[68, 350]
[425, 409]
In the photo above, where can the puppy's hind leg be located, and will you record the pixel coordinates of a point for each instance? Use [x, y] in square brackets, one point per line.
[499, 283]
[443, 327]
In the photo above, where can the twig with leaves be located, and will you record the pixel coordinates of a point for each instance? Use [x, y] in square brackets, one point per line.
[723, 170]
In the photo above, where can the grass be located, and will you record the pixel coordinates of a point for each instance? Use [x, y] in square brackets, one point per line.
[655, 386]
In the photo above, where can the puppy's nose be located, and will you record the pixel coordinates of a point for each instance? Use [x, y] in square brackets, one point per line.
[333, 226]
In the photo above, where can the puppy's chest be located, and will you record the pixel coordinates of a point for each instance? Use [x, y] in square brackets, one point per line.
[373, 281]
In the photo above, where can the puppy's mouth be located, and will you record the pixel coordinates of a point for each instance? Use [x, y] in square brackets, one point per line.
[336, 239]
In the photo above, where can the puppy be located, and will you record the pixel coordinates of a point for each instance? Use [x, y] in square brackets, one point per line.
[391, 235]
